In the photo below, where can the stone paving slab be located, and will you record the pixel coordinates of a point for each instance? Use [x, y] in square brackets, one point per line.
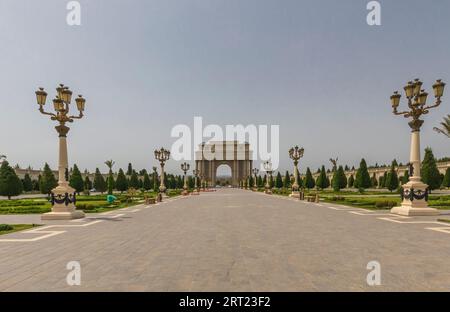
[231, 240]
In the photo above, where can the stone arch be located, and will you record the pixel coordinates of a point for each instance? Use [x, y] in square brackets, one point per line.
[232, 153]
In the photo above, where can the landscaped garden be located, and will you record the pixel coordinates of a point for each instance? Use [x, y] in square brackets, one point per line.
[89, 204]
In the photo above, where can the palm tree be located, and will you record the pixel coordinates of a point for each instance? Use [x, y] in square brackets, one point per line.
[110, 164]
[445, 127]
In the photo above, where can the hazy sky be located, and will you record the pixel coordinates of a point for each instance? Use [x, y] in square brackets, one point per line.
[313, 67]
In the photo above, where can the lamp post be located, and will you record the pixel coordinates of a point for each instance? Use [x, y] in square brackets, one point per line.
[185, 167]
[202, 181]
[63, 197]
[295, 153]
[196, 172]
[268, 168]
[415, 192]
[162, 155]
[255, 173]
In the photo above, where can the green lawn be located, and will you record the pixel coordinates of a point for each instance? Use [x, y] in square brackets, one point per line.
[89, 204]
[10, 228]
[383, 202]
[368, 200]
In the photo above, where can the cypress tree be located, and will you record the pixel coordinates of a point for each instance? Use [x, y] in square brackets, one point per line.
[10, 184]
[446, 180]
[309, 180]
[260, 182]
[134, 180]
[99, 182]
[351, 181]
[147, 184]
[130, 169]
[27, 183]
[48, 180]
[76, 181]
[87, 183]
[405, 177]
[121, 181]
[339, 179]
[374, 181]
[287, 180]
[430, 173]
[322, 180]
[392, 178]
[279, 181]
[362, 179]
[384, 179]
[335, 181]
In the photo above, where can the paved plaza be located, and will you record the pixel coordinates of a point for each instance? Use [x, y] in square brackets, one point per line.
[229, 240]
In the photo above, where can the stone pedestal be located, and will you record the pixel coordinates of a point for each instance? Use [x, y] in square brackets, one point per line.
[414, 202]
[295, 194]
[64, 199]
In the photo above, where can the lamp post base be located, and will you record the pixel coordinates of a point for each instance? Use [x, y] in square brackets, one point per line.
[415, 196]
[295, 194]
[185, 193]
[63, 215]
[410, 211]
[268, 192]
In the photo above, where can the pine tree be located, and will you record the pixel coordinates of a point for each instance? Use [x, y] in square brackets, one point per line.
[287, 180]
[309, 180]
[10, 184]
[27, 183]
[134, 180]
[279, 181]
[446, 180]
[99, 182]
[351, 181]
[362, 179]
[430, 173]
[121, 181]
[76, 181]
[48, 180]
[392, 178]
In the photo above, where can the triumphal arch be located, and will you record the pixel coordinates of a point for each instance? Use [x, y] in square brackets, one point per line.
[232, 153]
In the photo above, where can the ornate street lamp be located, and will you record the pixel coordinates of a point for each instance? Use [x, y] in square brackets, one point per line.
[295, 153]
[255, 173]
[268, 168]
[415, 192]
[185, 167]
[63, 197]
[196, 173]
[162, 156]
